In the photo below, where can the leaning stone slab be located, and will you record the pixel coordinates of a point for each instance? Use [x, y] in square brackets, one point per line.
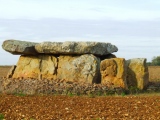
[18, 47]
[84, 68]
[37, 67]
[137, 73]
[78, 48]
[113, 71]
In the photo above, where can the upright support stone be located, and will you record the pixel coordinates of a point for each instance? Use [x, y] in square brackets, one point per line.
[137, 73]
[84, 68]
[38, 67]
[113, 71]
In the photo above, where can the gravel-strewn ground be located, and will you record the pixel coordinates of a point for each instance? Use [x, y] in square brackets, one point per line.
[80, 107]
[34, 86]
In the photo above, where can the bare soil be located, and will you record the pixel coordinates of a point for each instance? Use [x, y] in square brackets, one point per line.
[80, 108]
[4, 70]
[47, 107]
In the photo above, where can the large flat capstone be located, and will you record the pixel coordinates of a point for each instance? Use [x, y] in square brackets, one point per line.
[70, 47]
[18, 47]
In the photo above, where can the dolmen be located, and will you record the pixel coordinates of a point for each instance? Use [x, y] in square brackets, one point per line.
[83, 62]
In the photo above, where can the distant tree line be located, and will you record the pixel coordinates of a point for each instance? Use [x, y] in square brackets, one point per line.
[155, 61]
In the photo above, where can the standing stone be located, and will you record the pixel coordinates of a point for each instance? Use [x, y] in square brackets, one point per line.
[113, 71]
[35, 66]
[18, 47]
[84, 68]
[137, 73]
[48, 66]
[78, 48]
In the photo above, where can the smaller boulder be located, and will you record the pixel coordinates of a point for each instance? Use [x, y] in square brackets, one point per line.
[113, 71]
[137, 73]
[18, 47]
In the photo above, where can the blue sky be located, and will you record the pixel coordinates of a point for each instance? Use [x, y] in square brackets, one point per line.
[132, 25]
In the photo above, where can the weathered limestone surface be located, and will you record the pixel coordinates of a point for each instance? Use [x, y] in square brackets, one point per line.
[113, 71]
[18, 47]
[96, 48]
[42, 66]
[137, 73]
[84, 68]
[48, 67]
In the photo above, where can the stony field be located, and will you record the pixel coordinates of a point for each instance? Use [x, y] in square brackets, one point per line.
[56, 107]
[80, 108]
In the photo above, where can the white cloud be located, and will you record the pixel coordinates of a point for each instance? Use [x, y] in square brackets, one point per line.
[41, 9]
[133, 26]
[76, 9]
